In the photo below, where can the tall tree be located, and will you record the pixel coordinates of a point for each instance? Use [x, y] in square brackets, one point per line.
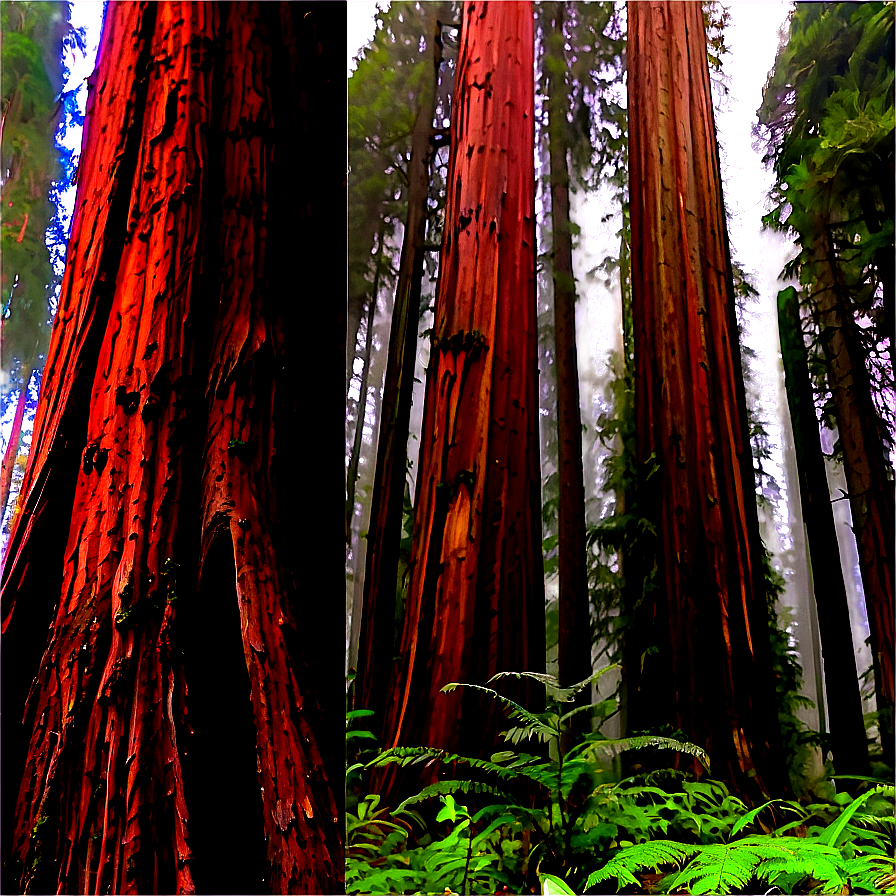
[34, 39]
[377, 633]
[574, 629]
[828, 119]
[168, 721]
[842, 681]
[699, 658]
[475, 599]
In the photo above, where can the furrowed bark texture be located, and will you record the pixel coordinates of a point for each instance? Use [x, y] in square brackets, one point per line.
[704, 616]
[870, 488]
[161, 432]
[574, 653]
[475, 604]
[842, 680]
[377, 641]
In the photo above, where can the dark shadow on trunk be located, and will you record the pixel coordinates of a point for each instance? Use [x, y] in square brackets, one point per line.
[226, 825]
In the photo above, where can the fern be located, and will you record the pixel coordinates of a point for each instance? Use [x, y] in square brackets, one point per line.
[725, 867]
[652, 854]
[590, 747]
[552, 684]
[440, 788]
[534, 724]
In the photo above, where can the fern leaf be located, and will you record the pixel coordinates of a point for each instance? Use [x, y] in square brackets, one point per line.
[552, 685]
[821, 868]
[516, 711]
[652, 854]
[641, 741]
[718, 868]
[439, 788]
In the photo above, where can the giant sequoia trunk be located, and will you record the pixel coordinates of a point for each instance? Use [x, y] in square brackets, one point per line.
[841, 679]
[377, 638]
[700, 644]
[574, 643]
[870, 488]
[475, 604]
[170, 739]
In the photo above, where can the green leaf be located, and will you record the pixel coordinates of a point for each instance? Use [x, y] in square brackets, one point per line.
[831, 834]
[551, 885]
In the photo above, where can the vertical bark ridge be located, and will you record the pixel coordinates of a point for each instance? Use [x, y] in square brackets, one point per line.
[179, 136]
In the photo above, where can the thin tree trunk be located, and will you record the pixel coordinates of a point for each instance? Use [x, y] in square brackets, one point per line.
[703, 639]
[475, 602]
[574, 642]
[841, 681]
[12, 447]
[351, 476]
[171, 726]
[870, 488]
[377, 634]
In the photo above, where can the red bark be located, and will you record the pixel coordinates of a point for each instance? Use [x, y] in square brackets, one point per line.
[163, 417]
[475, 601]
[705, 619]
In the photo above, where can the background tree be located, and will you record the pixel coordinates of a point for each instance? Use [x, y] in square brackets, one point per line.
[842, 688]
[699, 659]
[34, 39]
[475, 599]
[827, 122]
[158, 535]
[574, 623]
[377, 634]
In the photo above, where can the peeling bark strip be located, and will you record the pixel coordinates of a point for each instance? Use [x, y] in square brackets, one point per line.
[705, 621]
[163, 405]
[475, 604]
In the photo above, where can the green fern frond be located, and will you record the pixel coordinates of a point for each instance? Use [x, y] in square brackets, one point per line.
[821, 868]
[872, 872]
[524, 767]
[439, 788]
[719, 868]
[589, 748]
[516, 711]
[640, 857]
[552, 684]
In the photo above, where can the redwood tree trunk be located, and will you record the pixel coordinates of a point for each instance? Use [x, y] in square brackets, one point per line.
[377, 639]
[171, 739]
[870, 488]
[574, 643]
[475, 603]
[702, 639]
[841, 679]
[12, 447]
